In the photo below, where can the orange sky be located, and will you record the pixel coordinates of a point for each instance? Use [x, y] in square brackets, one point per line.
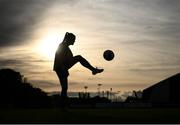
[142, 35]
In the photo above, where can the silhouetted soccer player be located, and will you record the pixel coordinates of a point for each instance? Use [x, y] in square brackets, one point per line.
[64, 60]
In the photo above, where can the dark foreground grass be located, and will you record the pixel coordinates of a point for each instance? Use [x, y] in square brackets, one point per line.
[132, 115]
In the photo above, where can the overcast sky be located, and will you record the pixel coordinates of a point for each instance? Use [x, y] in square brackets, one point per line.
[144, 35]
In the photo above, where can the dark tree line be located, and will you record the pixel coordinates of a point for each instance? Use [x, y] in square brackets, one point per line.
[16, 93]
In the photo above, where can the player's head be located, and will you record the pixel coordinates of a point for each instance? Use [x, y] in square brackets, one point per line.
[69, 38]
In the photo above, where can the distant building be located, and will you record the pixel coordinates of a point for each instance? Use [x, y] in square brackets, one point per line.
[164, 92]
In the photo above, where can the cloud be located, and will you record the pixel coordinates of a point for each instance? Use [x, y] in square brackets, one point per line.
[23, 61]
[74, 83]
[19, 18]
[44, 84]
[144, 34]
[93, 79]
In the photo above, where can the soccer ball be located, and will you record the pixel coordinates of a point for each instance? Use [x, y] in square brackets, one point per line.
[108, 55]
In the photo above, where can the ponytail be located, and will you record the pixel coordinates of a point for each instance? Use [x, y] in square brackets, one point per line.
[65, 37]
[68, 36]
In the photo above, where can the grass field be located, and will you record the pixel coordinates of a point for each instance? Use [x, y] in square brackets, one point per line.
[150, 115]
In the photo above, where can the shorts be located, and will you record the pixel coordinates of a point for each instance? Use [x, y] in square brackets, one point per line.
[62, 73]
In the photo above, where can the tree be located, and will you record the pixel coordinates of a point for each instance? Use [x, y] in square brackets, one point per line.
[15, 92]
[85, 87]
[99, 85]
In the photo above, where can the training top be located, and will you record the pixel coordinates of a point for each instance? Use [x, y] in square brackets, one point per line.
[62, 57]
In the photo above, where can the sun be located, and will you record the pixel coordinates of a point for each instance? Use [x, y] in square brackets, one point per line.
[48, 45]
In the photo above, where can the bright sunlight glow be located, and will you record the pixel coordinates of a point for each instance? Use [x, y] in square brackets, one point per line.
[48, 45]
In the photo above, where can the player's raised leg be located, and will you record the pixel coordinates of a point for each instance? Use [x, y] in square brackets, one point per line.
[84, 63]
